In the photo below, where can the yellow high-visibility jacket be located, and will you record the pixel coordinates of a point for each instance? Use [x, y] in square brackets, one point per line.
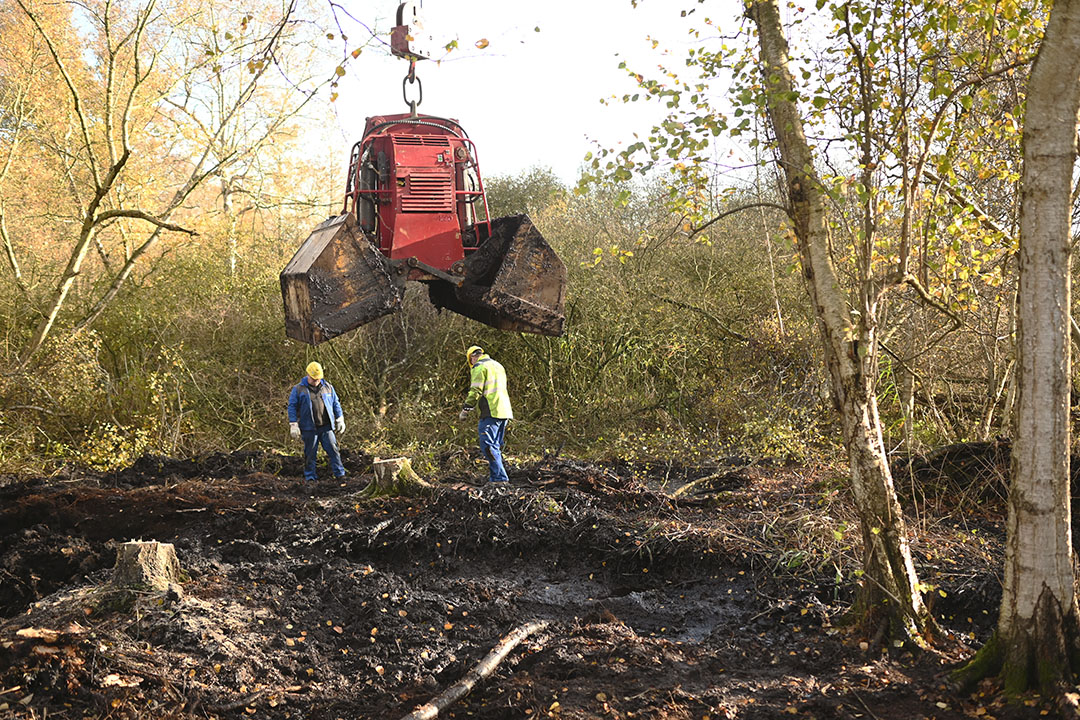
[487, 390]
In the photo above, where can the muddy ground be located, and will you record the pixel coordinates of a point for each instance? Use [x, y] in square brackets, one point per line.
[315, 602]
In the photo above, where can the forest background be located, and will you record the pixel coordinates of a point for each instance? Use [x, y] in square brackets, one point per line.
[153, 184]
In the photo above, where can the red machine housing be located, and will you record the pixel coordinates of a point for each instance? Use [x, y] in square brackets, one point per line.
[415, 209]
[415, 187]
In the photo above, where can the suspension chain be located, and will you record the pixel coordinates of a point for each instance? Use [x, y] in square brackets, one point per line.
[412, 79]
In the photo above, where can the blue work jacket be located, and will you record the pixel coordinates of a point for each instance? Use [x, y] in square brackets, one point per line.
[300, 405]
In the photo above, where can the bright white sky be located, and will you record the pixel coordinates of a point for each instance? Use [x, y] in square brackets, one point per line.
[530, 98]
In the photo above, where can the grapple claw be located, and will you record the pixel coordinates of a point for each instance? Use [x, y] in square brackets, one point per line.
[337, 281]
[514, 281]
[415, 209]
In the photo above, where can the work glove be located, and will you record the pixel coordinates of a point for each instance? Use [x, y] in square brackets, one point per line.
[341, 424]
[464, 414]
[294, 429]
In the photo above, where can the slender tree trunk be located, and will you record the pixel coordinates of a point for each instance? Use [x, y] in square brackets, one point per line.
[18, 119]
[1037, 641]
[889, 605]
[63, 287]
[9, 250]
[1005, 421]
[906, 381]
[996, 385]
[772, 275]
[227, 191]
[767, 235]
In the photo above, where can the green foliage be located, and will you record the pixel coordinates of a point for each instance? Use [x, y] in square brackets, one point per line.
[672, 342]
[915, 112]
[777, 438]
[672, 347]
[531, 192]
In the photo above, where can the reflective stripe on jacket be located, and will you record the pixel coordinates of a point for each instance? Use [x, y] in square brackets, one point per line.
[300, 405]
[487, 390]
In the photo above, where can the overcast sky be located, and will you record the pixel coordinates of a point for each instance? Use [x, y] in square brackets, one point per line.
[532, 96]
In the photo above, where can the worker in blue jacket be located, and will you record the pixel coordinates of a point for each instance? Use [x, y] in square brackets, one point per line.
[314, 412]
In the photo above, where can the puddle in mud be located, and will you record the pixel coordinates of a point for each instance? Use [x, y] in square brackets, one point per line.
[680, 612]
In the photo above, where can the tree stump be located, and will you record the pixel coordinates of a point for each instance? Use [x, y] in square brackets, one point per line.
[146, 563]
[395, 476]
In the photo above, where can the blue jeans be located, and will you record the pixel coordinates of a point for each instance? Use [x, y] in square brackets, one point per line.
[321, 436]
[492, 434]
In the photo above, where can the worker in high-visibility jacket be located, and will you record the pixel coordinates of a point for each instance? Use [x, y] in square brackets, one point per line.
[487, 392]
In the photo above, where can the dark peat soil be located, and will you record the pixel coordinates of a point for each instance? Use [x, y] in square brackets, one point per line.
[317, 602]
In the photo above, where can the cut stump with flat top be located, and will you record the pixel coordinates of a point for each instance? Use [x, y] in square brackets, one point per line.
[395, 476]
[146, 563]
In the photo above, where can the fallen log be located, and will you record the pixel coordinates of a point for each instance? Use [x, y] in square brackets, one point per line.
[697, 483]
[485, 667]
[728, 479]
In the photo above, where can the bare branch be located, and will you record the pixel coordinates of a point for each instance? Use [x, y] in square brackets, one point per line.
[695, 230]
[118, 281]
[485, 667]
[142, 215]
[705, 314]
[958, 199]
[76, 98]
[913, 282]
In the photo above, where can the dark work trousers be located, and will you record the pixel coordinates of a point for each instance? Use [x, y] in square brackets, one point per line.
[321, 436]
[492, 435]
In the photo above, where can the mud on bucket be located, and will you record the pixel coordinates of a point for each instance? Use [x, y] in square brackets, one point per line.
[514, 281]
[337, 281]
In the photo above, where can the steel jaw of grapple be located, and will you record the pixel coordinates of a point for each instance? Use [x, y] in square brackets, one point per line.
[337, 281]
[514, 281]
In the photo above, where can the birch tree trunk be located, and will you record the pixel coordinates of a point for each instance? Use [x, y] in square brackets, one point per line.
[889, 604]
[1037, 641]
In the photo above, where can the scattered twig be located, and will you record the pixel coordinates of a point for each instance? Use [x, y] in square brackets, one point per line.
[237, 704]
[865, 706]
[693, 484]
[484, 668]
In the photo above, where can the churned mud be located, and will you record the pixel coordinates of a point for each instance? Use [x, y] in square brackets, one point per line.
[724, 601]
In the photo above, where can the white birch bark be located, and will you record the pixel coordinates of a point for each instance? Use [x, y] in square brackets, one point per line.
[1039, 556]
[890, 600]
[1037, 642]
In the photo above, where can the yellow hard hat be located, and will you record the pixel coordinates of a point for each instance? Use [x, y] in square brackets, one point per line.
[314, 371]
[473, 349]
